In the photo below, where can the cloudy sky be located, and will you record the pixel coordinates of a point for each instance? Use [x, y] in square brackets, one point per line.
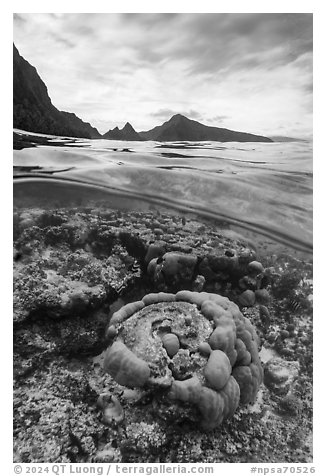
[249, 72]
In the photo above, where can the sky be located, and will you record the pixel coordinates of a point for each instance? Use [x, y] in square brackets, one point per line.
[250, 72]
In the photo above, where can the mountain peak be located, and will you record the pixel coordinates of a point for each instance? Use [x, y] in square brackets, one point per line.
[128, 127]
[177, 118]
[126, 133]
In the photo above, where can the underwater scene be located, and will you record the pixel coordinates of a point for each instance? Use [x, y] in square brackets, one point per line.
[163, 301]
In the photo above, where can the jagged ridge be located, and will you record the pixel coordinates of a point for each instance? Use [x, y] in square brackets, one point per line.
[126, 133]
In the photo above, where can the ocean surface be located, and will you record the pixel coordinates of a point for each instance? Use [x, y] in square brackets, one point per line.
[257, 189]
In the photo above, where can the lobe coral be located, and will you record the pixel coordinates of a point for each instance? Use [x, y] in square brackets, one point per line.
[194, 351]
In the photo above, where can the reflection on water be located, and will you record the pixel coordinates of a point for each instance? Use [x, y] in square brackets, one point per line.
[260, 187]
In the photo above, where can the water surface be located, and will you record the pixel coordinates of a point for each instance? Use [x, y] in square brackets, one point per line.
[263, 188]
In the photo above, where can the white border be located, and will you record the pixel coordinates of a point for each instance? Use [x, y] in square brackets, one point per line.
[315, 7]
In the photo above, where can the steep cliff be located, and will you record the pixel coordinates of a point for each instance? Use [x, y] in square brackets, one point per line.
[33, 109]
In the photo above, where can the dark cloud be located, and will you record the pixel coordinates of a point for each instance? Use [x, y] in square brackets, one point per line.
[150, 20]
[19, 18]
[217, 42]
[243, 41]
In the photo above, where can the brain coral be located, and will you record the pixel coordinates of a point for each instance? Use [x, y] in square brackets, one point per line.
[194, 350]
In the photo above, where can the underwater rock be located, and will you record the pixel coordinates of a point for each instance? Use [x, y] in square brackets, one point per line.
[279, 375]
[110, 332]
[290, 404]
[111, 408]
[248, 282]
[264, 315]
[284, 334]
[151, 267]
[198, 283]
[215, 266]
[171, 344]
[222, 263]
[206, 271]
[255, 267]
[155, 250]
[143, 438]
[193, 348]
[107, 455]
[262, 296]
[173, 268]
[247, 298]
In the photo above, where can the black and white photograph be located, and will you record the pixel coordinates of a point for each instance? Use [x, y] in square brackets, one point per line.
[162, 239]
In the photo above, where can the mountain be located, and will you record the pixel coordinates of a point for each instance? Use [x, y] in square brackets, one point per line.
[286, 139]
[127, 133]
[180, 128]
[33, 109]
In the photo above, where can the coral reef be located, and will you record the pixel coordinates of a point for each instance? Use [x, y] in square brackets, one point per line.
[151, 338]
[74, 268]
[73, 260]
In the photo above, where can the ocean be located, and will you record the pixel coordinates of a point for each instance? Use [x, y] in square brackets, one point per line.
[261, 190]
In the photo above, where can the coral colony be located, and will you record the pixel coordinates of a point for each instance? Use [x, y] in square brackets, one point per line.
[197, 347]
